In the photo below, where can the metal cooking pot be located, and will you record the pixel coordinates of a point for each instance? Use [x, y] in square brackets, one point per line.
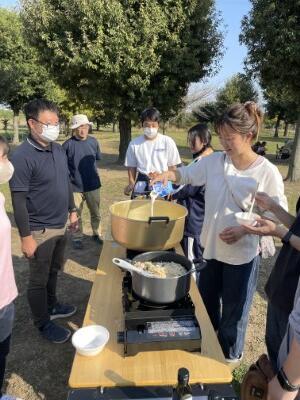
[162, 290]
[133, 227]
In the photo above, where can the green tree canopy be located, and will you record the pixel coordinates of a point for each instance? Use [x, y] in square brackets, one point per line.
[237, 89]
[272, 35]
[126, 54]
[21, 76]
[281, 108]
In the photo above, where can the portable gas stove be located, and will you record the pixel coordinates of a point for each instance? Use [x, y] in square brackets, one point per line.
[150, 326]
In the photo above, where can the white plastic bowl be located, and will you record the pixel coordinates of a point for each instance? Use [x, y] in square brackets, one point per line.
[90, 340]
[243, 219]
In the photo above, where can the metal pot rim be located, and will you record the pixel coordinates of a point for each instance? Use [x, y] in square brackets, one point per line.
[144, 221]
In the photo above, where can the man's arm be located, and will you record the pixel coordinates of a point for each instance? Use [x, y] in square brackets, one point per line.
[73, 217]
[131, 180]
[28, 244]
[131, 175]
[72, 206]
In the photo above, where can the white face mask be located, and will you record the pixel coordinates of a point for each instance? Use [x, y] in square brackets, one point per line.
[6, 171]
[50, 133]
[150, 132]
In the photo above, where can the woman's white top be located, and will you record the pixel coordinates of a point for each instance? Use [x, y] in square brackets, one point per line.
[228, 191]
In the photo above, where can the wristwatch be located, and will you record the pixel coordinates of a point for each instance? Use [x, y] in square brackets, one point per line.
[285, 383]
[286, 237]
[74, 209]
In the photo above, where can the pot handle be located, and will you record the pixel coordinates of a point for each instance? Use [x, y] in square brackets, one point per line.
[158, 219]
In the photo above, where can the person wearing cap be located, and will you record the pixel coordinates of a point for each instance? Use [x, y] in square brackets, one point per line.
[42, 200]
[82, 152]
[149, 152]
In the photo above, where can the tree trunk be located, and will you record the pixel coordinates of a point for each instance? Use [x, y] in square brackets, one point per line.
[114, 127]
[286, 129]
[16, 126]
[164, 127]
[125, 136]
[98, 124]
[294, 166]
[277, 126]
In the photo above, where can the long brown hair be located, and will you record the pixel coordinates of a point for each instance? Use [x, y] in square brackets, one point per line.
[243, 118]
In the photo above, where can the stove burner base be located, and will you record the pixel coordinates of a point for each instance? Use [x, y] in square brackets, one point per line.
[152, 327]
[132, 346]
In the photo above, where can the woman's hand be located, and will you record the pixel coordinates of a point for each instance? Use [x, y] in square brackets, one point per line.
[157, 177]
[275, 391]
[265, 227]
[264, 201]
[232, 234]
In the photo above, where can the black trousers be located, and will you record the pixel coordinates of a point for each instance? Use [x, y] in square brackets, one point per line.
[43, 270]
[4, 350]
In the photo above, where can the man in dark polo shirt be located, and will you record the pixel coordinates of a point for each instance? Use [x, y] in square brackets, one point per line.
[83, 152]
[42, 200]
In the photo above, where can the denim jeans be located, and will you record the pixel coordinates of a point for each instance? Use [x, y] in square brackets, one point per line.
[227, 292]
[277, 322]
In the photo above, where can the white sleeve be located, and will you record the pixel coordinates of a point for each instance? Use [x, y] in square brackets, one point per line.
[173, 154]
[130, 159]
[274, 187]
[194, 174]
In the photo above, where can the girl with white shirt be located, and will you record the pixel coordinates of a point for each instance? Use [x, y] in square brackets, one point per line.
[228, 282]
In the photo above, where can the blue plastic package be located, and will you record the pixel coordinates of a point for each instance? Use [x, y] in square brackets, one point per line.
[163, 190]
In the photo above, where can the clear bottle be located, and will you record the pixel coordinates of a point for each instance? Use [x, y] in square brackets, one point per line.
[183, 390]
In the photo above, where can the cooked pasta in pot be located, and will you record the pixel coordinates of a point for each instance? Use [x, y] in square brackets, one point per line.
[161, 269]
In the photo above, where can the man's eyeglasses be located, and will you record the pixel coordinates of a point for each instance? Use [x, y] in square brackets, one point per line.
[47, 125]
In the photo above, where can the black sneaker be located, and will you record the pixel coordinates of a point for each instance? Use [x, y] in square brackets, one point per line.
[97, 239]
[55, 333]
[62, 311]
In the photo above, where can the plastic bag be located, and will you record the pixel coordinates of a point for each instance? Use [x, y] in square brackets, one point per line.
[267, 246]
[163, 190]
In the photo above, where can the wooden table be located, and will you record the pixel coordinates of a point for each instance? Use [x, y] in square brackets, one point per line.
[110, 368]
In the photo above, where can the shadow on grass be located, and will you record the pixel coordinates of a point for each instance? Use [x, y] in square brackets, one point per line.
[88, 256]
